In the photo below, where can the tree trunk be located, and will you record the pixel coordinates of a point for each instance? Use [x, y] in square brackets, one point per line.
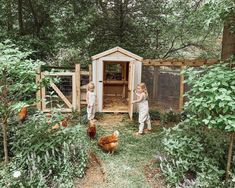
[5, 141]
[230, 154]
[228, 43]
[20, 17]
[9, 15]
[37, 26]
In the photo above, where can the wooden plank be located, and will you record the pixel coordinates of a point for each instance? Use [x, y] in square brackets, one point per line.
[83, 102]
[90, 72]
[181, 98]
[60, 109]
[78, 86]
[61, 95]
[155, 81]
[131, 88]
[59, 74]
[43, 92]
[115, 82]
[115, 111]
[212, 61]
[124, 79]
[46, 67]
[38, 93]
[74, 92]
[116, 49]
[100, 87]
[179, 62]
[84, 73]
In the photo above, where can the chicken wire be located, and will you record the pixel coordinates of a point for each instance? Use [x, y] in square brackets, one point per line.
[64, 84]
[163, 84]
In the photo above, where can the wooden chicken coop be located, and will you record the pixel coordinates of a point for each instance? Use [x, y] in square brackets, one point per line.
[115, 73]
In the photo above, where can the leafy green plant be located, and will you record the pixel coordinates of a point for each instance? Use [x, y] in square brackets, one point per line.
[83, 116]
[46, 156]
[155, 115]
[170, 116]
[211, 99]
[187, 160]
[17, 83]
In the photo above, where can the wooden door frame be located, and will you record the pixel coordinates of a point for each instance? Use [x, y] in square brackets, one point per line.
[113, 61]
[131, 89]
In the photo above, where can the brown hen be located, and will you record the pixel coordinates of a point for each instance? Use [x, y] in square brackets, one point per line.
[109, 143]
[22, 114]
[91, 130]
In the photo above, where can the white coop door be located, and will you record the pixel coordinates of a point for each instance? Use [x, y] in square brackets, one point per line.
[131, 88]
[100, 78]
[60, 95]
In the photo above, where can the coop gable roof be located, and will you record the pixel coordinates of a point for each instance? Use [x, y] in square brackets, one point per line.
[116, 49]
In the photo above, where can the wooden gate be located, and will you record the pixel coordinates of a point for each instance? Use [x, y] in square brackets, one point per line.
[63, 93]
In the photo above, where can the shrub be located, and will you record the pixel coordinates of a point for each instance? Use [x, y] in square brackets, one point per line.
[170, 116]
[211, 99]
[188, 161]
[45, 156]
[155, 115]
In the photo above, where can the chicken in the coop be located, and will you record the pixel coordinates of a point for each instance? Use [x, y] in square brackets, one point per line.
[91, 130]
[22, 114]
[109, 143]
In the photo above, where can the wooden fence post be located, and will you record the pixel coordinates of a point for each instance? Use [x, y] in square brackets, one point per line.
[38, 93]
[155, 80]
[181, 99]
[90, 72]
[78, 85]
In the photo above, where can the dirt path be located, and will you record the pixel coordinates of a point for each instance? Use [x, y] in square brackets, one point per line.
[131, 166]
[95, 175]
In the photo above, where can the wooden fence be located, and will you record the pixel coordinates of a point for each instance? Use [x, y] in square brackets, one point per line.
[79, 88]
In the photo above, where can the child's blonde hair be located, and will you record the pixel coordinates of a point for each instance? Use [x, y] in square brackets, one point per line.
[144, 88]
[90, 86]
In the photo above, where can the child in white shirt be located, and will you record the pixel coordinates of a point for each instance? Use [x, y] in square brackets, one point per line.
[90, 99]
[142, 95]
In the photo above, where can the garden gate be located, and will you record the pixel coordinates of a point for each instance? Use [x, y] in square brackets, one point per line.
[66, 90]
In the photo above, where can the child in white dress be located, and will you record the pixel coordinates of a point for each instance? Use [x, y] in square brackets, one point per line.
[90, 99]
[143, 107]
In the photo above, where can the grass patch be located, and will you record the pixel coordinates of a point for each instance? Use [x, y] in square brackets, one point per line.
[125, 168]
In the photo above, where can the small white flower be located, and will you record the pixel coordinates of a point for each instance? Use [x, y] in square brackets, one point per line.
[16, 174]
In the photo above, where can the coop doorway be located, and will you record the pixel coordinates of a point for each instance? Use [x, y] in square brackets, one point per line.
[117, 87]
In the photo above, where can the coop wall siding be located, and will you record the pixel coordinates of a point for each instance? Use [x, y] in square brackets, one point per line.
[99, 68]
[137, 78]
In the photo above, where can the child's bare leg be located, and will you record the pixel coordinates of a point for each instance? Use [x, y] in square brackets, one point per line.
[141, 128]
[149, 127]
